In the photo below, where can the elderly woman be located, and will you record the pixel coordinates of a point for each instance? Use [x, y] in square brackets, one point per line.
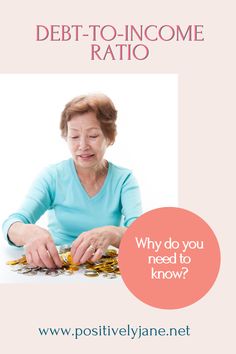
[90, 201]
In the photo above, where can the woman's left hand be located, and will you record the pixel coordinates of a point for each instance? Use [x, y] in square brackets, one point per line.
[91, 245]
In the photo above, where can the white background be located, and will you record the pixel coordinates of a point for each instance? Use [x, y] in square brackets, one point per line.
[147, 130]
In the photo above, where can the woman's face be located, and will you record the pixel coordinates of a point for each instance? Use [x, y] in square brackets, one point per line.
[86, 140]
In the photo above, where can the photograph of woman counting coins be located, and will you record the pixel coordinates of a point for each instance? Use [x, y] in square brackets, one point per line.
[90, 201]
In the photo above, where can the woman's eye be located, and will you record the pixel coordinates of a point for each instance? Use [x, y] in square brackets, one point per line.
[93, 136]
[74, 137]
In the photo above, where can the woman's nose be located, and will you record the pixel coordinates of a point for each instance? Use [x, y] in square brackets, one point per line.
[83, 144]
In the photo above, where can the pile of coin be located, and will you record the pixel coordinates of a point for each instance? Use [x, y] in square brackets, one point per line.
[107, 265]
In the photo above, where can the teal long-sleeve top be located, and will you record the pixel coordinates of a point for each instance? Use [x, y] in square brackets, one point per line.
[71, 210]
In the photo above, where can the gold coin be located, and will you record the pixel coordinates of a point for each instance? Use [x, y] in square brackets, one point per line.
[91, 273]
[73, 267]
[111, 253]
[12, 262]
[21, 260]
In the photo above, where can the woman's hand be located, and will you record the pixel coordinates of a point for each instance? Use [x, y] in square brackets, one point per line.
[40, 249]
[91, 245]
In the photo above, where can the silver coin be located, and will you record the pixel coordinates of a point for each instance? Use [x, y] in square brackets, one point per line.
[42, 270]
[36, 268]
[64, 258]
[64, 248]
[33, 272]
[16, 268]
[52, 272]
[60, 271]
[31, 267]
[24, 271]
[112, 276]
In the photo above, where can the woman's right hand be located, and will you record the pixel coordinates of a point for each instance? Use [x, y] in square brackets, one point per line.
[40, 249]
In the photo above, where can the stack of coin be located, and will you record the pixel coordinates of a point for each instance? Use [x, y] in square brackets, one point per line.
[107, 265]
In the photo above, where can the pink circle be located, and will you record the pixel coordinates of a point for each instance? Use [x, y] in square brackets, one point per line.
[169, 258]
